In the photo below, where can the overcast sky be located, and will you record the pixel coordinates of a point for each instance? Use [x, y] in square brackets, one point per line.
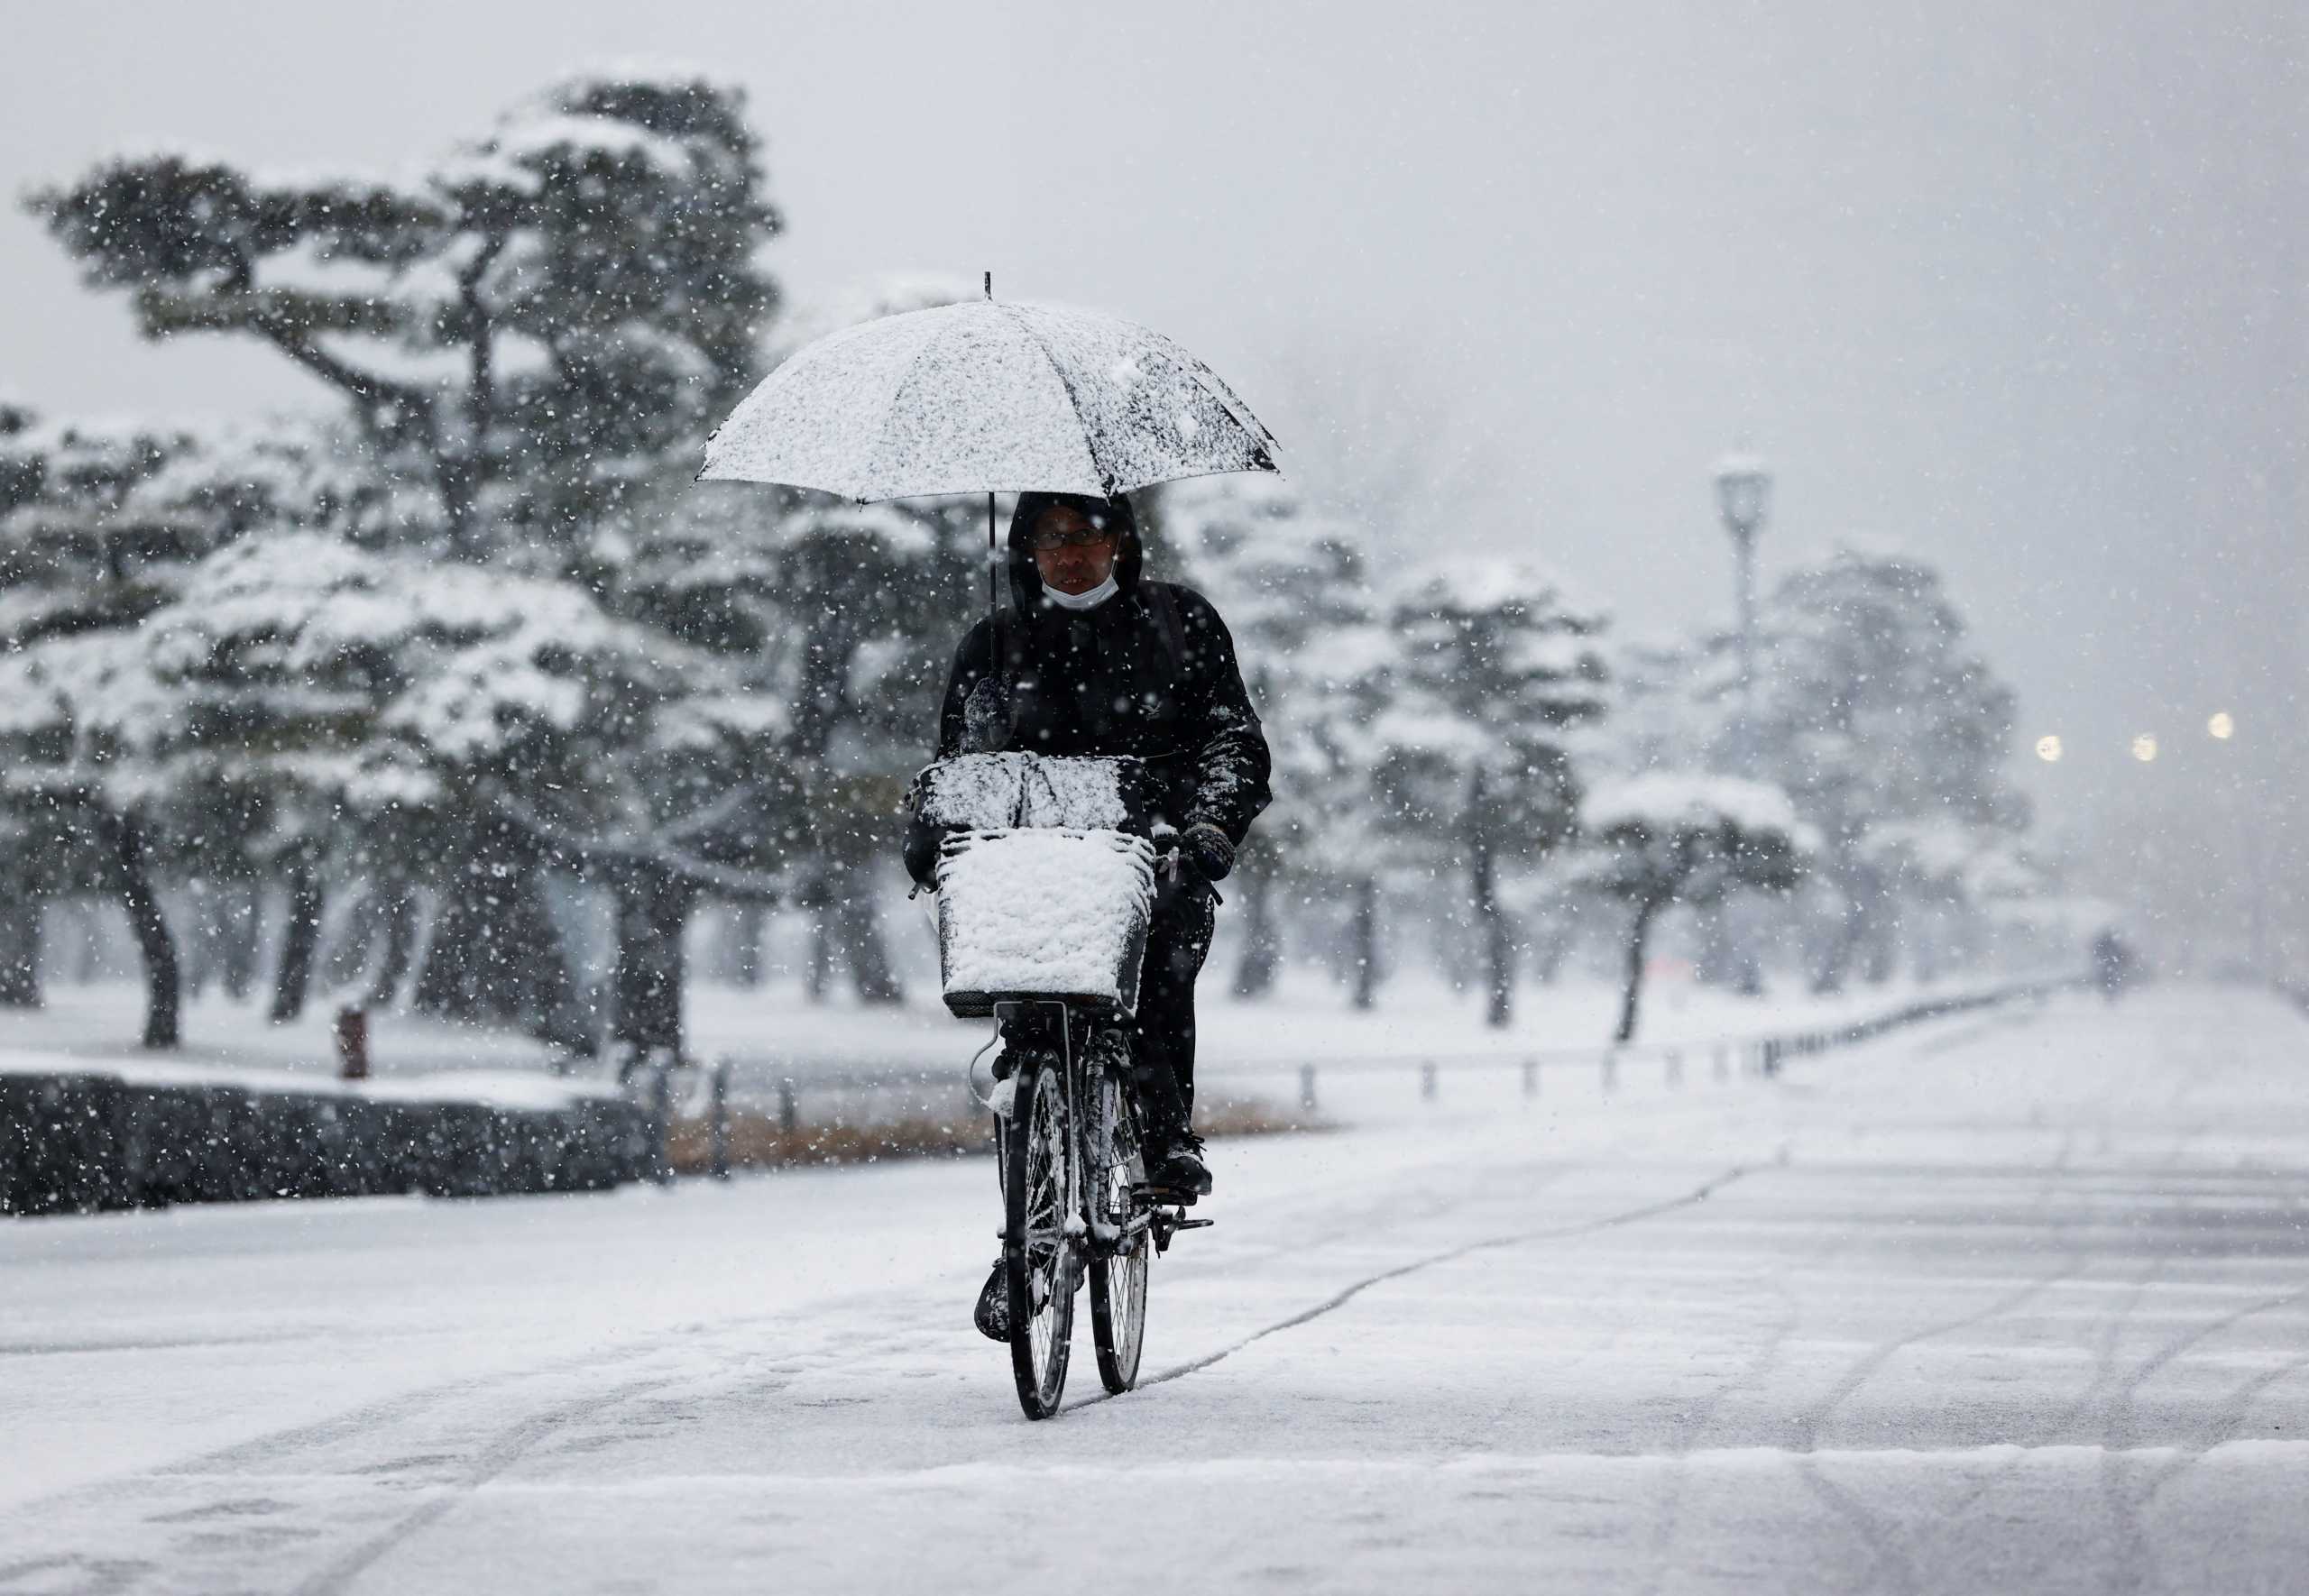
[2017, 286]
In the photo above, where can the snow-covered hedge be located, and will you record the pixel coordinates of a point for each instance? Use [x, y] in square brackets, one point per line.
[75, 1142]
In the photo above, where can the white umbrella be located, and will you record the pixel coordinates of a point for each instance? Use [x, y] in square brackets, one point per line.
[983, 398]
[988, 398]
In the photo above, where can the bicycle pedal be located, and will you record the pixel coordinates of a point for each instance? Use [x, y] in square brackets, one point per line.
[1183, 1223]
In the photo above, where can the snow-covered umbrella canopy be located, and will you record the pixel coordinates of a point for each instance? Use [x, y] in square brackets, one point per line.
[988, 397]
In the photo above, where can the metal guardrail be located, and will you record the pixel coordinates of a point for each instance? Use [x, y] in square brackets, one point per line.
[1755, 1055]
[1751, 1055]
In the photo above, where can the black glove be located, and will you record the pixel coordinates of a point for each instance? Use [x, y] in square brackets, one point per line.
[1205, 847]
[920, 851]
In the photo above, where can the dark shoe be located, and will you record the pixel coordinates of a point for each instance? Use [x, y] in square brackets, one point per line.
[1179, 1167]
[992, 1316]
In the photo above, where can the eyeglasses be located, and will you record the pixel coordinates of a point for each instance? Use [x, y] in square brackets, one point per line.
[1043, 543]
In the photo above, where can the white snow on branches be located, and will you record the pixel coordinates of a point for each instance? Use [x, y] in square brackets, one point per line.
[1667, 801]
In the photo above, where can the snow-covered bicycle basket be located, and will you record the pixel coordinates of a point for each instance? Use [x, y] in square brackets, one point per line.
[1043, 913]
[1044, 891]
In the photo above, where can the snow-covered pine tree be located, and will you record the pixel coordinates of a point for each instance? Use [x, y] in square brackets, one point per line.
[1874, 709]
[526, 325]
[1294, 589]
[528, 329]
[102, 524]
[1679, 838]
[843, 619]
[1498, 664]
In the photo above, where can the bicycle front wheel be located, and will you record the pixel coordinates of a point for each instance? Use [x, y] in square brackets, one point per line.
[1039, 1256]
[1119, 1281]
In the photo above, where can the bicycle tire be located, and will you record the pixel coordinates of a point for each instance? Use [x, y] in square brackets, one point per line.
[1118, 1283]
[1038, 1256]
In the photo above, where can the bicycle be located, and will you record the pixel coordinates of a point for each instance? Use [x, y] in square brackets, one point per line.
[1075, 1200]
[1077, 1208]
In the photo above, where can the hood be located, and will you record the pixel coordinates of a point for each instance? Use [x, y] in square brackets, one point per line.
[1027, 583]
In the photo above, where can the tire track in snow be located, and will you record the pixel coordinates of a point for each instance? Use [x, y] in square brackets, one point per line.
[1385, 1212]
[2234, 1409]
[1339, 1300]
[1884, 1540]
[500, 1455]
[1669, 1524]
[2128, 1497]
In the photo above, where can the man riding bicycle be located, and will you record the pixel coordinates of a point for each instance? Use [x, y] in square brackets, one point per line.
[1101, 662]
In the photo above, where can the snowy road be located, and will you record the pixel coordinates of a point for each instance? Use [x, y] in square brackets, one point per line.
[2011, 1303]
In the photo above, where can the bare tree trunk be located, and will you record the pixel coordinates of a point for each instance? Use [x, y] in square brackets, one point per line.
[816, 902]
[1883, 944]
[495, 956]
[748, 922]
[401, 943]
[1836, 963]
[234, 933]
[1639, 938]
[202, 963]
[1717, 962]
[653, 911]
[817, 972]
[300, 940]
[860, 928]
[1499, 949]
[1366, 942]
[162, 996]
[20, 929]
[1553, 945]
[80, 914]
[347, 946]
[1262, 947]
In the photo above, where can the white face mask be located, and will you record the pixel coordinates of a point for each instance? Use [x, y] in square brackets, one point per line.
[1085, 600]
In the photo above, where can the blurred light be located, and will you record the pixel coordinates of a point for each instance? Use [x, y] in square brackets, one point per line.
[2223, 726]
[2049, 749]
[2144, 747]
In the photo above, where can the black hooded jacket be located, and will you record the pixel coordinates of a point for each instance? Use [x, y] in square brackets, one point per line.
[1125, 678]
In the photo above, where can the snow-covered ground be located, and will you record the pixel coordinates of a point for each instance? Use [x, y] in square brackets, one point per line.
[2015, 1302]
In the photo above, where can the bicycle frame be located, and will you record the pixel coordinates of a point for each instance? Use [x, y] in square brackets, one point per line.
[1070, 1091]
[1092, 1163]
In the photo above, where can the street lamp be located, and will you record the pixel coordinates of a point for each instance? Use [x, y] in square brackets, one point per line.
[1743, 493]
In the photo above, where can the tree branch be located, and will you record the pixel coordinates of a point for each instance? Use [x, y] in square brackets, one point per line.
[365, 386]
[653, 852]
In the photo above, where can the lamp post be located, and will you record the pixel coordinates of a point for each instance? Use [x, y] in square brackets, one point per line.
[1742, 494]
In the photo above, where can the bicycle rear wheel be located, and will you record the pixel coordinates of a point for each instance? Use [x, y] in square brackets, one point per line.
[1038, 1256]
[1118, 1283]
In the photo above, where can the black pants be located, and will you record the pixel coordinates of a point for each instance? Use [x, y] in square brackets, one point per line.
[1178, 940]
